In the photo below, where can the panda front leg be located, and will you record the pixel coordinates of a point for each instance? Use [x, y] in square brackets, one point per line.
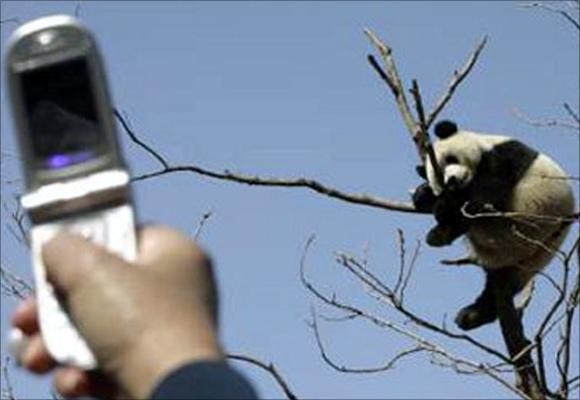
[483, 310]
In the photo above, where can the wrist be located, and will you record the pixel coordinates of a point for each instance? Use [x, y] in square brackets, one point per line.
[154, 356]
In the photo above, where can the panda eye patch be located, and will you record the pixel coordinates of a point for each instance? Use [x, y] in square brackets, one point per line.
[451, 159]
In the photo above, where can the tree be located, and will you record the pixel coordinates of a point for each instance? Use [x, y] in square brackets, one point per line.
[527, 359]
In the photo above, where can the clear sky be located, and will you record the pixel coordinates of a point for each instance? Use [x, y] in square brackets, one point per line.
[284, 89]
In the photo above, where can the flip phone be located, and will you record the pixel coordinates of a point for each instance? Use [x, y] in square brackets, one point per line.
[75, 175]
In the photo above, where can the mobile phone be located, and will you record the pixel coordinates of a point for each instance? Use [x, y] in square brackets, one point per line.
[75, 176]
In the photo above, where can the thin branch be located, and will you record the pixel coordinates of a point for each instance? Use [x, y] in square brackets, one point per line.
[415, 91]
[77, 9]
[7, 389]
[14, 286]
[204, 218]
[420, 341]
[547, 123]
[254, 180]
[13, 20]
[127, 127]
[268, 367]
[458, 77]
[382, 289]
[563, 13]
[390, 364]
[572, 113]
[392, 73]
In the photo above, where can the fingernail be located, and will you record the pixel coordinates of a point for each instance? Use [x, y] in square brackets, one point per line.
[17, 344]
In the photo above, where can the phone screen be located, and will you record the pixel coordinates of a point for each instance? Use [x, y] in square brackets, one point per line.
[63, 120]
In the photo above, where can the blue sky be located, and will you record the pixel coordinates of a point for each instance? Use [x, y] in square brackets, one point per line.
[284, 89]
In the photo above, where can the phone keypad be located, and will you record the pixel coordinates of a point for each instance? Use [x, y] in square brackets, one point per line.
[112, 228]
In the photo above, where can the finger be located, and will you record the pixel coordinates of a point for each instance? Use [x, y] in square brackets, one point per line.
[17, 343]
[36, 357]
[69, 260]
[25, 317]
[158, 243]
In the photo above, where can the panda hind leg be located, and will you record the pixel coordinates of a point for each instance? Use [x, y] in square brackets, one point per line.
[483, 310]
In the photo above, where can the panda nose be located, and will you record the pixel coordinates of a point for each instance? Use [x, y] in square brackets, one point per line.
[452, 182]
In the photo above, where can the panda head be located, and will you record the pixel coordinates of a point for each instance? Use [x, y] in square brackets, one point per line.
[458, 154]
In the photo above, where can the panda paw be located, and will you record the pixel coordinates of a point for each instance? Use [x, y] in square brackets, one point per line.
[441, 235]
[423, 198]
[474, 316]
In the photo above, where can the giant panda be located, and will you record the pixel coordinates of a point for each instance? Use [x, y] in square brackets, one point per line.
[513, 204]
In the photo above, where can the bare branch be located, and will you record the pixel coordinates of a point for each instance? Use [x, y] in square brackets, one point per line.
[12, 20]
[77, 9]
[7, 392]
[395, 84]
[458, 77]
[268, 367]
[390, 364]
[560, 11]
[204, 218]
[254, 180]
[572, 113]
[14, 286]
[124, 120]
[415, 91]
[547, 123]
[418, 340]
[418, 130]
[372, 281]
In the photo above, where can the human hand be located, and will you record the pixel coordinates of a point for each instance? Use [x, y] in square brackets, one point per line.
[141, 321]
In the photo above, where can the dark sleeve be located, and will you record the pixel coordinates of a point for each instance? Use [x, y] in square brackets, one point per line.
[204, 380]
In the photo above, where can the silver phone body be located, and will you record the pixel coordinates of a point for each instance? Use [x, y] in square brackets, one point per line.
[75, 176]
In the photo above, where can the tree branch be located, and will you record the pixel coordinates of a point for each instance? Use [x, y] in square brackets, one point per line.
[458, 77]
[514, 337]
[455, 361]
[254, 180]
[563, 13]
[270, 368]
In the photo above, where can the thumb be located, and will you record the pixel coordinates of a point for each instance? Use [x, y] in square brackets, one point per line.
[71, 259]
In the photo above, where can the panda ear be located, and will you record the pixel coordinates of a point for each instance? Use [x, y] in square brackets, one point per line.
[421, 171]
[445, 128]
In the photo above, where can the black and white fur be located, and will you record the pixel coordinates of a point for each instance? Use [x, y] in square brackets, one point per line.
[491, 174]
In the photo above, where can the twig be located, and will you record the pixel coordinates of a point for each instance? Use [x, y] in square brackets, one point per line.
[127, 128]
[254, 180]
[390, 364]
[458, 77]
[360, 199]
[204, 218]
[411, 335]
[271, 369]
[572, 113]
[78, 9]
[10, 20]
[13, 285]
[548, 123]
[379, 287]
[563, 13]
[7, 389]
[393, 81]
[424, 132]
